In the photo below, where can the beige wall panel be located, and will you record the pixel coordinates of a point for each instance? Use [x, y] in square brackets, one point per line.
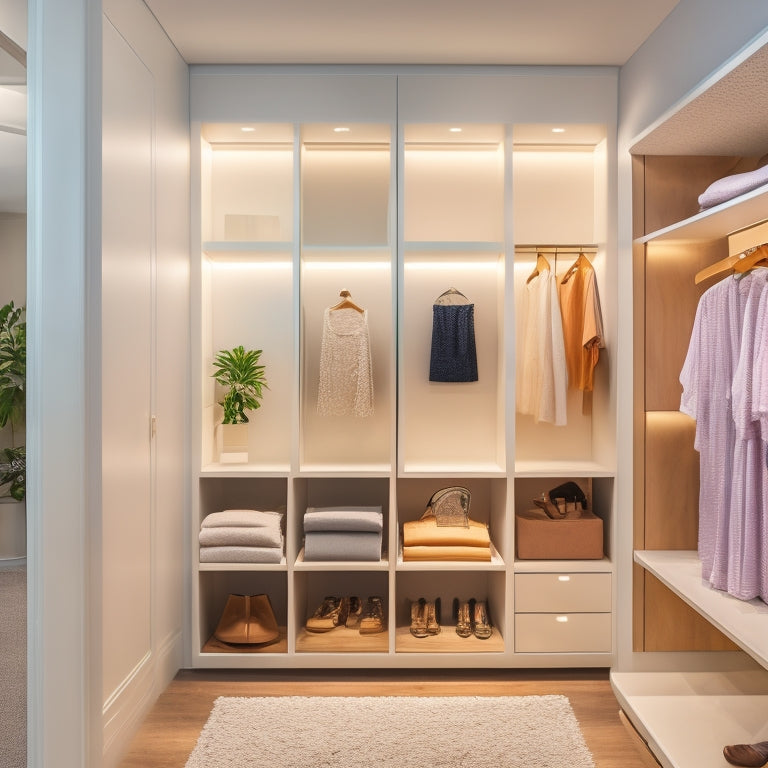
[672, 625]
[671, 299]
[671, 482]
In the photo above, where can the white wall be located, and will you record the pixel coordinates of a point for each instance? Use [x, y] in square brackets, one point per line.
[694, 41]
[145, 327]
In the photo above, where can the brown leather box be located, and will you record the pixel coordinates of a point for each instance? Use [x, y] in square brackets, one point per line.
[541, 538]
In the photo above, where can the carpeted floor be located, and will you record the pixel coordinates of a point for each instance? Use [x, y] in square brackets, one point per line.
[13, 668]
[392, 732]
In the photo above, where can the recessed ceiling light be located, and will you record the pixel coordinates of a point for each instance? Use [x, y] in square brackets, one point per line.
[341, 129]
[247, 129]
[558, 130]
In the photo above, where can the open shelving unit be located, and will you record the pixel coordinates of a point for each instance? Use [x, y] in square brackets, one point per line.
[396, 210]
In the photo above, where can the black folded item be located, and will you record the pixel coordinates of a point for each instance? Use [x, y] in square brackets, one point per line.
[569, 491]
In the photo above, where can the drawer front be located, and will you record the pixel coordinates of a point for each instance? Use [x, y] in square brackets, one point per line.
[563, 633]
[562, 592]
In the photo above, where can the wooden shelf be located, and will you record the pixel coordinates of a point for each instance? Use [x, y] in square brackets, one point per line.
[744, 622]
[446, 642]
[341, 640]
[687, 718]
[214, 645]
[718, 221]
[340, 565]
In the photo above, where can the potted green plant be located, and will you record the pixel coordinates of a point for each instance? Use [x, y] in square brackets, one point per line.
[13, 463]
[239, 372]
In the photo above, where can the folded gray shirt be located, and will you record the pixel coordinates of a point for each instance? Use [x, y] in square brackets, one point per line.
[368, 519]
[732, 186]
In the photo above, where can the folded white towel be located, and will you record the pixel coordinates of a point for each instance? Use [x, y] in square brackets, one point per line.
[269, 536]
[369, 519]
[236, 518]
[240, 555]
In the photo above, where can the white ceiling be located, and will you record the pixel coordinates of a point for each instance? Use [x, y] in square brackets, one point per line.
[558, 32]
[483, 32]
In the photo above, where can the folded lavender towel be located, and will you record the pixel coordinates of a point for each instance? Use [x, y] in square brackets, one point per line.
[342, 545]
[367, 519]
[732, 186]
[241, 555]
[268, 536]
[235, 518]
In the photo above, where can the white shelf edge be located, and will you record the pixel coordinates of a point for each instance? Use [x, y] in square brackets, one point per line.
[340, 565]
[244, 470]
[686, 718]
[604, 565]
[454, 246]
[207, 567]
[416, 470]
[216, 247]
[718, 221]
[329, 470]
[562, 469]
[744, 622]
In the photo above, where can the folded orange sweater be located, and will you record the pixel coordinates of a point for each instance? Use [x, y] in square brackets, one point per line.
[426, 532]
[475, 554]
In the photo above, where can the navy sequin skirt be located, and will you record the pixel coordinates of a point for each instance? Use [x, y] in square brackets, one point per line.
[453, 356]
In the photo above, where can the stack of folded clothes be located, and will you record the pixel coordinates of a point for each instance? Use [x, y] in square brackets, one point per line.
[343, 533]
[426, 540]
[242, 536]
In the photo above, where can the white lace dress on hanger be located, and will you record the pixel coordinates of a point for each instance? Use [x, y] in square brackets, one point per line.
[346, 371]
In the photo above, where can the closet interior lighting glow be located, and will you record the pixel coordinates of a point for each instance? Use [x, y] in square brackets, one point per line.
[341, 129]
[463, 265]
[344, 264]
[455, 130]
[558, 130]
[562, 619]
[241, 264]
[563, 578]
[247, 129]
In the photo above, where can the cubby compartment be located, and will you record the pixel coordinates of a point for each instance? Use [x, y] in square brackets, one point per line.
[560, 182]
[488, 503]
[312, 587]
[339, 492]
[214, 589]
[447, 586]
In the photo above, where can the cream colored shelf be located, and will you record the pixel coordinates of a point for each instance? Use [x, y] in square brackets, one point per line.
[718, 221]
[496, 563]
[245, 470]
[563, 469]
[564, 566]
[744, 622]
[340, 565]
[688, 717]
[235, 567]
[461, 469]
[446, 642]
[345, 470]
[341, 640]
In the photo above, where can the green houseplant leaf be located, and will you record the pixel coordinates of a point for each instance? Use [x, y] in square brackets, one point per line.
[243, 378]
[13, 374]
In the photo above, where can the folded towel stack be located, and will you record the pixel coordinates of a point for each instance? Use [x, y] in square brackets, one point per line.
[242, 536]
[343, 533]
[426, 540]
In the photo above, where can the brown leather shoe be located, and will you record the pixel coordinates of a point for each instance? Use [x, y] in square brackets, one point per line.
[750, 755]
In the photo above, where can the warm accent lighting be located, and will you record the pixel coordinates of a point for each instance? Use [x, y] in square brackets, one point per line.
[455, 130]
[341, 129]
[562, 619]
[563, 578]
[247, 129]
[558, 130]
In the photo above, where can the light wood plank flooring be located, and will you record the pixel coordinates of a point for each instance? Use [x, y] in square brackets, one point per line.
[170, 731]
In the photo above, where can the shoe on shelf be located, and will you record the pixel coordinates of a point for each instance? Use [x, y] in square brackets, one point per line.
[354, 613]
[372, 621]
[433, 617]
[462, 616]
[481, 621]
[750, 755]
[419, 618]
[331, 613]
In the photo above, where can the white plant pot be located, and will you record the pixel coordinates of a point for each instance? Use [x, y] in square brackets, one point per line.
[233, 443]
[13, 529]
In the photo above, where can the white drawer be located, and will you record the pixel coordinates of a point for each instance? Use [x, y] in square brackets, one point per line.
[563, 633]
[562, 592]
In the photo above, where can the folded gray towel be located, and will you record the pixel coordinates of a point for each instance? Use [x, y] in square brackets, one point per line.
[240, 554]
[342, 545]
[235, 518]
[732, 186]
[368, 519]
[269, 536]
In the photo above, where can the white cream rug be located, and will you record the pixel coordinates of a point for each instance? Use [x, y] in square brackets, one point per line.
[392, 732]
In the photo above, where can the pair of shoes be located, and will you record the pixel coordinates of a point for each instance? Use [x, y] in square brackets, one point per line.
[331, 613]
[569, 491]
[750, 755]
[372, 619]
[247, 620]
[472, 618]
[425, 617]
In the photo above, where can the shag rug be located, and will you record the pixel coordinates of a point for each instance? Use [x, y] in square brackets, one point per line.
[392, 732]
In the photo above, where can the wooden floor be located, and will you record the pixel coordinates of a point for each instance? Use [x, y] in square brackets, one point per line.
[170, 732]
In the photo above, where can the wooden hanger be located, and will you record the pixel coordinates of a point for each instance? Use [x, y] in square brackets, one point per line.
[346, 303]
[452, 297]
[739, 262]
[541, 265]
[572, 269]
